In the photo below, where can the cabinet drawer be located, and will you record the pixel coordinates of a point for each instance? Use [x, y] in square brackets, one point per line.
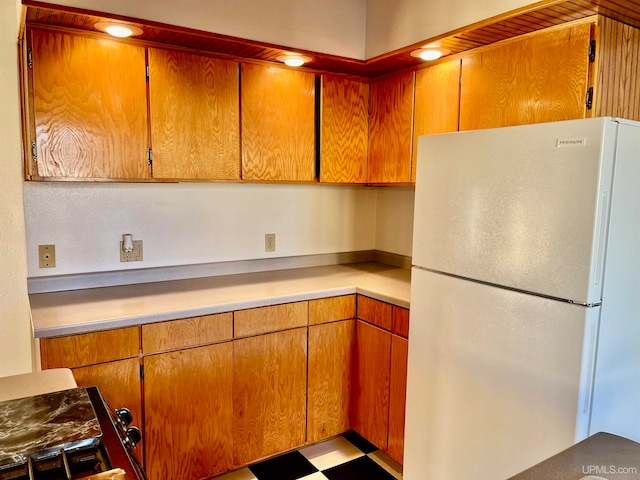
[375, 312]
[90, 348]
[332, 309]
[188, 332]
[256, 321]
[401, 321]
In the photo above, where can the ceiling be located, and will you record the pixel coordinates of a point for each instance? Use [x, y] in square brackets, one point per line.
[524, 20]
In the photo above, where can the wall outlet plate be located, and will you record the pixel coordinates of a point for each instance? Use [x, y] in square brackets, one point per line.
[269, 242]
[133, 256]
[46, 256]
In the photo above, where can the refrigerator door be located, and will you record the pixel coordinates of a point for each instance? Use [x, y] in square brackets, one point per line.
[497, 380]
[525, 207]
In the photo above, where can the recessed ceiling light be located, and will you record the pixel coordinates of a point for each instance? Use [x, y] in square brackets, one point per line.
[117, 29]
[430, 53]
[294, 59]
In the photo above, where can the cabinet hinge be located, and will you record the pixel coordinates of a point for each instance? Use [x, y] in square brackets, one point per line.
[589, 99]
[34, 151]
[141, 372]
[592, 51]
[30, 58]
[149, 156]
[148, 73]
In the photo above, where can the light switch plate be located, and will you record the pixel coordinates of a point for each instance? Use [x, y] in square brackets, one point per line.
[46, 256]
[269, 242]
[133, 256]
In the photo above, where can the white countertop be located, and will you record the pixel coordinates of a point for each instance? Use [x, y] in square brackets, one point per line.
[36, 383]
[82, 311]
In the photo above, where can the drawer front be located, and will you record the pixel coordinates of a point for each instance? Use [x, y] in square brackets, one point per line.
[401, 321]
[256, 321]
[90, 348]
[332, 309]
[185, 333]
[375, 312]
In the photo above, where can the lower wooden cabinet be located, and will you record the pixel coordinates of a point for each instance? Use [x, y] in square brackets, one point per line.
[331, 348]
[269, 394]
[188, 412]
[397, 397]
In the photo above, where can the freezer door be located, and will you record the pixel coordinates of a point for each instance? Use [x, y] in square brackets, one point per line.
[497, 380]
[524, 207]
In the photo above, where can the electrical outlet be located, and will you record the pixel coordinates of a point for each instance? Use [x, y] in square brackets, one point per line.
[134, 255]
[269, 242]
[46, 256]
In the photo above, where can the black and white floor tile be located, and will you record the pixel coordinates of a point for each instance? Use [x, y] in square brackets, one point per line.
[349, 457]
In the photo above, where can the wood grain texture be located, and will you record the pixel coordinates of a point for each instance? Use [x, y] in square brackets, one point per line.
[390, 129]
[195, 116]
[188, 332]
[255, 321]
[548, 82]
[331, 309]
[188, 412]
[370, 389]
[90, 100]
[119, 383]
[90, 348]
[437, 103]
[344, 130]
[401, 321]
[397, 397]
[269, 394]
[617, 92]
[331, 348]
[278, 124]
[376, 312]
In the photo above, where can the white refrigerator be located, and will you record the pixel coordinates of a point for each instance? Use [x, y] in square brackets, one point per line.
[525, 316]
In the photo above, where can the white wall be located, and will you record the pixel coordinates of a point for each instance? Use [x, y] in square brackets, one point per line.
[192, 223]
[393, 24]
[394, 220]
[328, 26]
[15, 324]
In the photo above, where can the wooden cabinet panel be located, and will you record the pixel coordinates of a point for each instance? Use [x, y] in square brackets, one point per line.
[89, 348]
[437, 103]
[390, 129]
[344, 130]
[194, 104]
[370, 389]
[331, 309]
[90, 102]
[278, 124]
[188, 332]
[617, 92]
[255, 321]
[269, 394]
[188, 412]
[331, 348]
[375, 312]
[401, 321]
[541, 78]
[397, 397]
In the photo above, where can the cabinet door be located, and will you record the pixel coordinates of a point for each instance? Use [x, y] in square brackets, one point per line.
[370, 391]
[278, 124]
[390, 129]
[397, 397]
[437, 103]
[541, 78]
[188, 412]
[269, 394]
[194, 102]
[331, 347]
[344, 126]
[90, 107]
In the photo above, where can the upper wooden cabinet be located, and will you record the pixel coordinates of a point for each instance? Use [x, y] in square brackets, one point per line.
[89, 107]
[194, 104]
[437, 103]
[540, 78]
[390, 129]
[344, 124]
[278, 124]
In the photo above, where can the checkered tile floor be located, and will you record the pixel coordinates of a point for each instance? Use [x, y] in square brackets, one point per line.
[349, 457]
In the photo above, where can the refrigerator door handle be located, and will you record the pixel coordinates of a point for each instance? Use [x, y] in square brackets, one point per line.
[601, 237]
